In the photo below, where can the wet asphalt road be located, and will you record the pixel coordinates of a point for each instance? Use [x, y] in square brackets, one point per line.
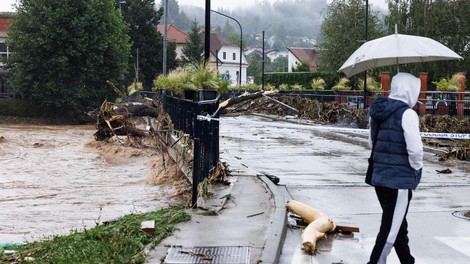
[328, 174]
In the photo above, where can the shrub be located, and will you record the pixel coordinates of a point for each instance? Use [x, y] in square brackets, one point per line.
[372, 85]
[191, 77]
[297, 87]
[342, 85]
[318, 84]
[450, 85]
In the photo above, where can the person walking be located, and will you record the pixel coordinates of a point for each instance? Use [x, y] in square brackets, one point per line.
[397, 156]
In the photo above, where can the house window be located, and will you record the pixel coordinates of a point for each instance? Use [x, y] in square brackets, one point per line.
[234, 56]
[3, 53]
[224, 55]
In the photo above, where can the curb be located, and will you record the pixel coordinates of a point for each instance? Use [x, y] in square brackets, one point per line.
[278, 228]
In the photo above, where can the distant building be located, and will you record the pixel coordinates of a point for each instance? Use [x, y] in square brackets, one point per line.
[4, 27]
[225, 57]
[298, 55]
[176, 35]
[274, 54]
[4, 53]
[250, 52]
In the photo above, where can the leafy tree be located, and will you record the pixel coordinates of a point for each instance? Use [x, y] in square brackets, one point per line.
[302, 67]
[64, 51]
[143, 19]
[255, 67]
[442, 20]
[175, 16]
[235, 39]
[193, 52]
[279, 64]
[343, 32]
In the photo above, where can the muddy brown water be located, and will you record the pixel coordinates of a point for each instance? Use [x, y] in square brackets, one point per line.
[54, 179]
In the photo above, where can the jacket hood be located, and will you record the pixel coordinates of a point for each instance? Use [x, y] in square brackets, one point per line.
[405, 87]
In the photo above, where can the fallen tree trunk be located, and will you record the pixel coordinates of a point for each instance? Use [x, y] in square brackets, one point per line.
[115, 120]
[243, 97]
[134, 109]
[319, 224]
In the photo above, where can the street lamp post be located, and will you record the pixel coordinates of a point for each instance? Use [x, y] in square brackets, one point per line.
[241, 45]
[366, 36]
[165, 39]
[207, 32]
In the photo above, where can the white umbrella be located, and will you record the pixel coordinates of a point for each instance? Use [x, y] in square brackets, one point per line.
[396, 49]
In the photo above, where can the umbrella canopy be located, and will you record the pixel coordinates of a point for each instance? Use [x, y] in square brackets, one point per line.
[396, 49]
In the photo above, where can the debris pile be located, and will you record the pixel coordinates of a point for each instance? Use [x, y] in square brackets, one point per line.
[456, 148]
[311, 109]
[351, 116]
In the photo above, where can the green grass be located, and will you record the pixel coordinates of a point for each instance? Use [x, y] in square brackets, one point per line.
[120, 241]
[209, 213]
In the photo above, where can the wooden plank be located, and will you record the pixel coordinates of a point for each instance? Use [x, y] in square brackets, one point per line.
[347, 229]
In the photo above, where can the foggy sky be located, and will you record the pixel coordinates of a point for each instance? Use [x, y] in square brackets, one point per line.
[5, 5]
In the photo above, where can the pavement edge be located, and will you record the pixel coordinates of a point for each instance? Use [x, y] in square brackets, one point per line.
[278, 228]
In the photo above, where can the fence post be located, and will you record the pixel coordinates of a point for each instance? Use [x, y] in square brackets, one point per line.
[461, 96]
[423, 76]
[196, 171]
[385, 83]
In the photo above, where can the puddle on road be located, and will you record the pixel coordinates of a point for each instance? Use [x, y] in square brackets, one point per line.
[54, 179]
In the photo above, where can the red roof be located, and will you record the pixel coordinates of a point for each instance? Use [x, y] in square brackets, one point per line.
[174, 34]
[4, 23]
[306, 55]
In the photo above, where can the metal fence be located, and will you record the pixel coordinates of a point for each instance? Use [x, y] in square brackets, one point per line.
[204, 132]
[447, 103]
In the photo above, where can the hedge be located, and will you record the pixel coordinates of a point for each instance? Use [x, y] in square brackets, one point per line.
[301, 78]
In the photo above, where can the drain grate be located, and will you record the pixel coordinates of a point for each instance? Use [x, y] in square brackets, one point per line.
[206, 255]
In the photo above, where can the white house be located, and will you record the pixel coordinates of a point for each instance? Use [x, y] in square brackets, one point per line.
[298, 55]
[225, 57]
[274, 54]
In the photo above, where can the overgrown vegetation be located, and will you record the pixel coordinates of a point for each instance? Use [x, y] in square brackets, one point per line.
[120, 241]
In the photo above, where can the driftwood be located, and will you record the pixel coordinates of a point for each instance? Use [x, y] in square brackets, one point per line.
[243, 97]
[319, 224]
[115, 89]
[115, 120]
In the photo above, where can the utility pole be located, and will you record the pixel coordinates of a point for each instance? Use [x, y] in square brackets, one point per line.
[366, 36]
[165, 38]
[207, 32]
[137, 70]
[262, 67]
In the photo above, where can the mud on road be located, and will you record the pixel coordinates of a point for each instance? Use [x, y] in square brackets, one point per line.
[54, 179]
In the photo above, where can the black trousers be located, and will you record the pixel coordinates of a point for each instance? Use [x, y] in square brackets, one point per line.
[394, 228]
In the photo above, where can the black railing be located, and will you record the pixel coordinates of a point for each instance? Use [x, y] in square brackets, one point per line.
[187, 116]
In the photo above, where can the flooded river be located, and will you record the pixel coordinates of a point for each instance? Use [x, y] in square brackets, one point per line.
[54, 179]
